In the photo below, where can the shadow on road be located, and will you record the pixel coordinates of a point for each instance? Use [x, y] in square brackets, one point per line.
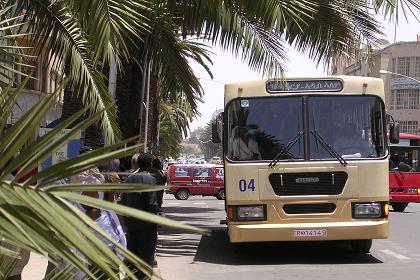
[190, 210]
[216, 249]
[177, 246]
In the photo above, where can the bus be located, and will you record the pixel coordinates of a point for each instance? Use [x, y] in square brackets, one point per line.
[404, 172]
[306, 159]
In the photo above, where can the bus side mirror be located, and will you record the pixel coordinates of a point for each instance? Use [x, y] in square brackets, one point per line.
[214, 133]
[394, 133]
[217, 128]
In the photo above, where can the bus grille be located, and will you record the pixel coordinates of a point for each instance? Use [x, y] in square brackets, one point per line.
[310, 183]
[309, 208]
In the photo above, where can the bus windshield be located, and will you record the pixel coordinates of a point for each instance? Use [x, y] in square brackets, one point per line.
[351, 126]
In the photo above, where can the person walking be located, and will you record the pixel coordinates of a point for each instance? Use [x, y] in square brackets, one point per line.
[141, 235]
[105, 219]
[161, 180]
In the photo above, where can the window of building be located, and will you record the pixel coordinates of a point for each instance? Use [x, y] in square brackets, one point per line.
[403, 65]
[404, 99]
[408, 126]
[394, 65]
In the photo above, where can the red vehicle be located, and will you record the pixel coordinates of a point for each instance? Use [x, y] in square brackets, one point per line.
[404, 172]
[196, 179]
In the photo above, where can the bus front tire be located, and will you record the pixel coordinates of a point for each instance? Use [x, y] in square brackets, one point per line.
[399, 206]
[361, 246]
[221, 194]
[182, 194]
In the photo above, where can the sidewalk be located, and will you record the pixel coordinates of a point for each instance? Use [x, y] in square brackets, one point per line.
[35, 269]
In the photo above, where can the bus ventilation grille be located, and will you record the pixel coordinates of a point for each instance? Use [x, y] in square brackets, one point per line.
[308, 183]
[309, 208]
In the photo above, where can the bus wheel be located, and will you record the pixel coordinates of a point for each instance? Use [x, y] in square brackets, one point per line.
[182, 194]
[361, 246]
[399, 207]
[221, 194]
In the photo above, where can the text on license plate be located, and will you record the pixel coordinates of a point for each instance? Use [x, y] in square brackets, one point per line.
[309, 232]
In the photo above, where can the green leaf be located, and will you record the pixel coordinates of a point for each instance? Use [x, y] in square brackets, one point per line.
[127, 211]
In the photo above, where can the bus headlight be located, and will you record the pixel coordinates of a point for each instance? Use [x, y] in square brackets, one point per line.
[250, 213]
[367, 210]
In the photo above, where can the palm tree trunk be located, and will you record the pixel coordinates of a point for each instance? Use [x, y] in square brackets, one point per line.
[72, 103]
[128, 95]
[153, 114]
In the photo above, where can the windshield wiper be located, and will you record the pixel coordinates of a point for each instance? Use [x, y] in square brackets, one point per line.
[285, 149]
[329, 148]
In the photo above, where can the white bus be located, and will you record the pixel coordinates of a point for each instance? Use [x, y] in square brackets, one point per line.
[306, 159]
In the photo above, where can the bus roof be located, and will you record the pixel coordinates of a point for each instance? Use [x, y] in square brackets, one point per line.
[351, 84]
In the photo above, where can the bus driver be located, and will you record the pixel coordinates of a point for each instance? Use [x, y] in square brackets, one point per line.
[244, 147]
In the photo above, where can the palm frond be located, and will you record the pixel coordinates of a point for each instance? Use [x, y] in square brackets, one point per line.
[44, 220]
[11, 51]
[112, 26]
[55, 19]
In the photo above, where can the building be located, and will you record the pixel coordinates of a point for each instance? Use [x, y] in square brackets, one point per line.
[402, 92]
[45, 70]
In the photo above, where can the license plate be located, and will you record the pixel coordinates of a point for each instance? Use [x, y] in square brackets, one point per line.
[309, 232]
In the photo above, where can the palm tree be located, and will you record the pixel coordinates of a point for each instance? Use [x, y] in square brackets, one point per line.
[258, 32]
[173, 125]
[36, 215]
[88, 33]
[85, 35]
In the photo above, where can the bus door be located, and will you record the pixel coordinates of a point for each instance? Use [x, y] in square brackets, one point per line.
[202, 179]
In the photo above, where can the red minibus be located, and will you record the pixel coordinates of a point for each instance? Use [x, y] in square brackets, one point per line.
[196, 179]
[404, 172]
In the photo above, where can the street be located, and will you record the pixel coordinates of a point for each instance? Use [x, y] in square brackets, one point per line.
[191, 256]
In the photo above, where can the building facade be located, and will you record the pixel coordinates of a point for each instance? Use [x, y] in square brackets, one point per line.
[402, 91]
[44, 81]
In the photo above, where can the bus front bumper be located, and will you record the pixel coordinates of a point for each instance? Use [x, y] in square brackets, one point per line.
[308, 231]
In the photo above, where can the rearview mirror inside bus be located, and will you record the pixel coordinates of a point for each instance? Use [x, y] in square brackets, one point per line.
[394, 133]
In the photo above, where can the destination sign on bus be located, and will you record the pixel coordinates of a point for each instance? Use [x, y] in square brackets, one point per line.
[330, 85]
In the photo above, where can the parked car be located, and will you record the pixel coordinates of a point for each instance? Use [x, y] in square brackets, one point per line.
[196, 179]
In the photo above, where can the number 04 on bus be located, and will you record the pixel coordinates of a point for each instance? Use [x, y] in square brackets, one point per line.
[306, 159]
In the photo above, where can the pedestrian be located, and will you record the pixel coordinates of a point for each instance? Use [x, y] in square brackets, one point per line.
[161, 180]
[112, 176]
[103, 218]
[142, 236]
[134, 165]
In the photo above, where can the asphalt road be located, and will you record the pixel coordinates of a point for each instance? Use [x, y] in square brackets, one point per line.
[183, 256]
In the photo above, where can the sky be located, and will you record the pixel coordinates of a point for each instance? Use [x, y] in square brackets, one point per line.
[226, 68]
